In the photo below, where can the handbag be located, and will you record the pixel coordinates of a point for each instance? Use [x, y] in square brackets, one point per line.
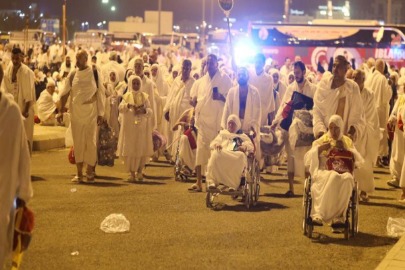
[298, 102]
[340, 161]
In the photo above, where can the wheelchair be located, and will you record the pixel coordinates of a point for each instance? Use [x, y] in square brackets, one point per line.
[249, 189]
[351, 223]
[181, 171]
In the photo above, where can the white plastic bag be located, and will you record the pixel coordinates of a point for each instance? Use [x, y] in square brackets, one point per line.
[396, 227]
[115, 223]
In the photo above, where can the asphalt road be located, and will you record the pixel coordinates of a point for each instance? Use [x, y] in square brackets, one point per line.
[171, 228]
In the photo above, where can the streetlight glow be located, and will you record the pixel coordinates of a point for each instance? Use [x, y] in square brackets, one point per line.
[113, 8]
[104, 1]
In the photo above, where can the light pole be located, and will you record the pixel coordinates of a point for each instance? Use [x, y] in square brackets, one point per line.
[64, 26]
[389, 10]
[203, 26]
[159, 16]
[286, 10]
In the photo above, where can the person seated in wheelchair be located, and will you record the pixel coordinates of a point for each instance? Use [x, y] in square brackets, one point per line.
[331, 166]
[187, 141]
[228, 159]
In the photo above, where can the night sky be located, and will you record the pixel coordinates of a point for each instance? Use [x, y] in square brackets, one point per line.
[183, 9]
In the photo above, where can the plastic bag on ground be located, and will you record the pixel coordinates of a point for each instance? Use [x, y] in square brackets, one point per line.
[396, 227]
[115, 223]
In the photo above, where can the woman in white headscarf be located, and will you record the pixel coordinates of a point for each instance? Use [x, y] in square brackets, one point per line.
[228, 158]
[135, 140]
[279, 87]
[330, 189]
[114, 90]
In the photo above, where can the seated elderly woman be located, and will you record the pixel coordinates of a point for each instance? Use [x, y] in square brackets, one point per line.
[228, 157]
[332, 179]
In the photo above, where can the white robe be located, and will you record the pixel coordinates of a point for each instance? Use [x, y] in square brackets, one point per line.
[179, 100]
[46, 106]
[84, 115]
[398, 144]
[208, 112]
[23, 91]
[378, 84]
[226, 166]
[330, 190]
[113, 92]
[367, 144]
[15, 180]
[264, 84]
[326, 102]
[148, 88]
[176, 104]
[135, 140]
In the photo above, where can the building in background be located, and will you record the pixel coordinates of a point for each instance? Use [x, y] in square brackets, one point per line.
[149, 25]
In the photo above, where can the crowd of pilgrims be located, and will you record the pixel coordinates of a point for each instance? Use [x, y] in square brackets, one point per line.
[187, 106]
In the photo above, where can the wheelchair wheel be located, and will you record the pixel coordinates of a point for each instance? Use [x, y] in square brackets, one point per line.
[347, 229]
[248, 195]
[256, 184]
[306, 209]
[310, 230]
[209, 199]
[354, 214]
[256, 194]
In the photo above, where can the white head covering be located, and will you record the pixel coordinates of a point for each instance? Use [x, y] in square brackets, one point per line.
[55, 75]
[117, 76]
[50, 83]
[235, 119]
[338, 121]
[402, 72]
[131, 78]
[176, 68]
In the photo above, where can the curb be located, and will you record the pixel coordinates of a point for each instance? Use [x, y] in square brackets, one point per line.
[395, 259]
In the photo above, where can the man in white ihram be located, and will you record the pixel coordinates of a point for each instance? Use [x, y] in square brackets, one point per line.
[264, 84]
[244, 101]
[47, 106]
[87, 104]
[19, 81]
[378, 84]
[209, 95]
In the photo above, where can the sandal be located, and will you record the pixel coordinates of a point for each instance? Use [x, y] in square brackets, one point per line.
[195, 188]
[77, 179]
[317, 222]
[90, 177]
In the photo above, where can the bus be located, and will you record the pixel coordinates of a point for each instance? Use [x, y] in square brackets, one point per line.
[319, 42]
[28, 37]
[95, 39]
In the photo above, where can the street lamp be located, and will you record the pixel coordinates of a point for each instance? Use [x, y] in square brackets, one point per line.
[63, 26]
[159, 16]
[113, 8]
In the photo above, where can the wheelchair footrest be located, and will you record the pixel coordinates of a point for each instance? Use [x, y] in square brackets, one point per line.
[338, 225]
